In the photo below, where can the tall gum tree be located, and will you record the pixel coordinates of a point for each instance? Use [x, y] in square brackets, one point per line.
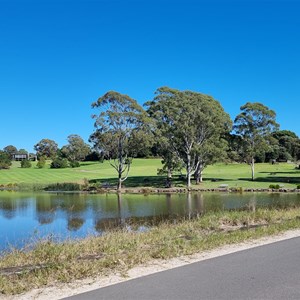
[76, 149]
[46, 147]
[254, 125]
[191, 122]
[120, 118]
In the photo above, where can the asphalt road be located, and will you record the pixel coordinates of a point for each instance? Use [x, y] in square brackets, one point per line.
[265, 272]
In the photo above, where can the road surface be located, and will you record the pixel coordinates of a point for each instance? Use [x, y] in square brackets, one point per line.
[266, 272]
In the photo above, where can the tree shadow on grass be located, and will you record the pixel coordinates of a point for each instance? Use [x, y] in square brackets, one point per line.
[291, 179]
[296, 172]
[139, 181]
[150, 181]
[216, 179]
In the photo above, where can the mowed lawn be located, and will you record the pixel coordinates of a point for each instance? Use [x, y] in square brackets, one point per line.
[87, 170]
[144, 173]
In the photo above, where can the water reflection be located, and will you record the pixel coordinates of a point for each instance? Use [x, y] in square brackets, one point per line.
[252, 203]
[104, 224]
[78, 215]
[45, 210]
[10, 207]
[75, 223]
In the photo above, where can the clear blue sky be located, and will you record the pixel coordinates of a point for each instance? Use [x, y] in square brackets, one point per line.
[57, 57]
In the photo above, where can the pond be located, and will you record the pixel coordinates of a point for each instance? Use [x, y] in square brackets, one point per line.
[26, 218]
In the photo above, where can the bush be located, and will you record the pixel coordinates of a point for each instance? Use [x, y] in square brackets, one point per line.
[4, 165]
[5, 161]
[59, 163]
[298, 186]
[65, 186]
[41, 163]
[74, 164]
[25, 164]
[274, 186]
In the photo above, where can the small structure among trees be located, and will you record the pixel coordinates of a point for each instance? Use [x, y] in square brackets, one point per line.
[20, 156]
[23, 156]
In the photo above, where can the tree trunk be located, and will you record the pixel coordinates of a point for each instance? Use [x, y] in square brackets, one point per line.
[120, 173]
[188, 171]
[198, 176]
[169, 178]
[252, 168]
[188, 178]
[198, 173]
[119, 182]
[120, 162]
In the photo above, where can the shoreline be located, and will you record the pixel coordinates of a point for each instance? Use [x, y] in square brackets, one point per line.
[149, 190]
[185, 190]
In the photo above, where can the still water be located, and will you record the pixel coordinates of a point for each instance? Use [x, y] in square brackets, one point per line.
[26, 217]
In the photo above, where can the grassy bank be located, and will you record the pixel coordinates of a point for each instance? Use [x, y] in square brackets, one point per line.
[118, 251]
[144, 174]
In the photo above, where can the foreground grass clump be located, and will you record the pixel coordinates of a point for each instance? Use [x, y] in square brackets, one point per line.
[120, 250]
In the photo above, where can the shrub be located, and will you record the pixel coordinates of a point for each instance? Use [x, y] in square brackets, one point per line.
[240, 189]
[74, 164]
[274, 186]
[25, 164]
[41, 163]
[298, 186]
[5, 161]
[59, 163]
[65, 186]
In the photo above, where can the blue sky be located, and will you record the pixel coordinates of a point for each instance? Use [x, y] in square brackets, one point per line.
[57, 57]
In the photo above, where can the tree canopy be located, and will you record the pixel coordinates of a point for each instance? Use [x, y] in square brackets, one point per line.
[10, 150]
[46, 147]
[76, 149]
[254, 125]
[192, 125]
[288, 145]
[119, 119]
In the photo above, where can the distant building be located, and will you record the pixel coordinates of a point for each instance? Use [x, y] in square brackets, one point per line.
[20, 156]
[23, 156]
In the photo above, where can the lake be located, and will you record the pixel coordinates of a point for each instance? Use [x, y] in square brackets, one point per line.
[26, 218]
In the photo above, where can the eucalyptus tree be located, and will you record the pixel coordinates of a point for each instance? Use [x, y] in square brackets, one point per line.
[170, 160]
[254, 125]
[212, 151]
[46, 147]
[76, 149]
[192, 123]
[10, 150]
[119, 119]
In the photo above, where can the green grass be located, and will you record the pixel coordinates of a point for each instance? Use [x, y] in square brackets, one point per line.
[144, 174]
[118, 251]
